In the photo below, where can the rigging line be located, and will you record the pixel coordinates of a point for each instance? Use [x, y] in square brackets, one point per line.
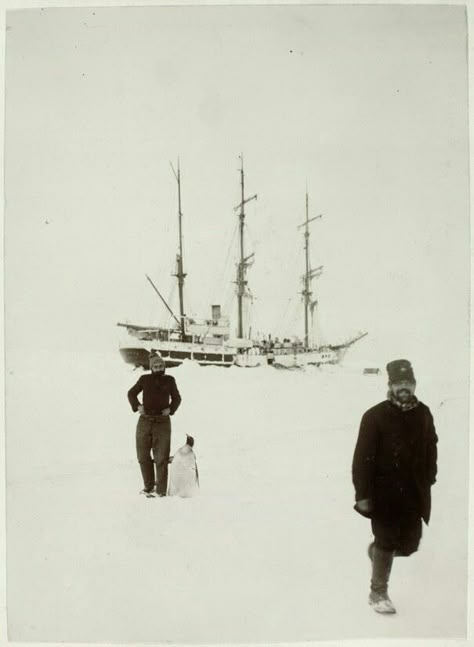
[223, 277]
[230, 301]
[285, 313]
[231, 243]
[156, 314]
[288, 326]
[168, 222]
[167, 258]
[293, 259]
[291, 329]
[171, 294]
[250, 236]
[292, 311]
[227, 256]
[174, 172]
[162, 316]
[229, 291]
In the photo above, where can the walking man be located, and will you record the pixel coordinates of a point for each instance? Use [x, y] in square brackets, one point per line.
[393, 469]
[160, 398]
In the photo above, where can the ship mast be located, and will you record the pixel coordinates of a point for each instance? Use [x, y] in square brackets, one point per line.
[180, 273]
[245, 261]
[309, 274]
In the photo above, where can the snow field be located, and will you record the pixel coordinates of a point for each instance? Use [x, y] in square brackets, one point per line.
[270, 550]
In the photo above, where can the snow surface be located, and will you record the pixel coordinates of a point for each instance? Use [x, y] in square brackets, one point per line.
[270, 550]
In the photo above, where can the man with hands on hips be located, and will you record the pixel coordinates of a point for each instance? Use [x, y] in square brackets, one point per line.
[160, 400]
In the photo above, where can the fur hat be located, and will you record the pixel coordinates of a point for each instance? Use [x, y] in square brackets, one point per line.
[399, 370]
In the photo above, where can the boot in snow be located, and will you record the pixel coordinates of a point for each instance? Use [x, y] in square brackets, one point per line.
[150, 494]
[381, 566]
[381, 603]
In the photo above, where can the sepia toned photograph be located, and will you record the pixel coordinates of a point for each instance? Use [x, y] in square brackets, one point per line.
[237, 318]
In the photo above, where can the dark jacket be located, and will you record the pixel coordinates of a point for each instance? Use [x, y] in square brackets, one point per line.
[395, 459]
[159, 392]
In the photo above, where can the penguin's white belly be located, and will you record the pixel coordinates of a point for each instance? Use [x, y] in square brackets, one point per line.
[183, 479]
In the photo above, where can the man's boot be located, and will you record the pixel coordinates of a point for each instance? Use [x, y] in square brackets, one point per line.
[381, 567]
[148, 474]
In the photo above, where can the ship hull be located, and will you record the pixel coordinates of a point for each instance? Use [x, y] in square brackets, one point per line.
[299, 359]
[175, 354]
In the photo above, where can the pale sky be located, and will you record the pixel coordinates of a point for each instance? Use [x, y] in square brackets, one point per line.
[366, 106]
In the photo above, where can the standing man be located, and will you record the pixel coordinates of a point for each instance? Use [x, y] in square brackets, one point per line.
[160, 400]
[393, 469]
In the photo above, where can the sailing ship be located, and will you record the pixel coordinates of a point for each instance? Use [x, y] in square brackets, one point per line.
[208, 341]
[298, 353]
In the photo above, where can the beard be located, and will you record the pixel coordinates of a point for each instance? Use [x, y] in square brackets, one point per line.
[403, 397]
[403, 394]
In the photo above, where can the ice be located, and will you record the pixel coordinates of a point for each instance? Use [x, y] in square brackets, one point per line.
[270, 550]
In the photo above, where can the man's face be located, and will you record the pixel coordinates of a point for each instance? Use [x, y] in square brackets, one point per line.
[403, 390]
[157, 365]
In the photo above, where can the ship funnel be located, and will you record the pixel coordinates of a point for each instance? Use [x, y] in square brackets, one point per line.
[216, 313]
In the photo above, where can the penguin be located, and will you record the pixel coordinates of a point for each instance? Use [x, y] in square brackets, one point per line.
[184, 478]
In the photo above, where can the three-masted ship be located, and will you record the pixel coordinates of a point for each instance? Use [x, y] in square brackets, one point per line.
[210, 341]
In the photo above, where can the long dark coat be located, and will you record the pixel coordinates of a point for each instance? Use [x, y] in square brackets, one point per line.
[395, 460]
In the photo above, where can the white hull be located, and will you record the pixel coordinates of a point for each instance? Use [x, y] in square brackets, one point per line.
[250, 359]
[297, 359]
[174, 352]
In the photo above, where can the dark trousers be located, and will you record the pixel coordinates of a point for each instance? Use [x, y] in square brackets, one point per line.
[154, 434]
[400, 533]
